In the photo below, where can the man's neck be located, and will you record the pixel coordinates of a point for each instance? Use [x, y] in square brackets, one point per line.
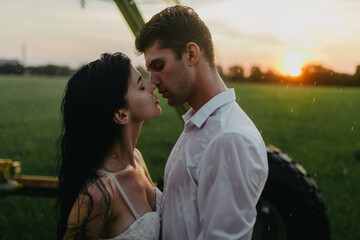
[207, 86]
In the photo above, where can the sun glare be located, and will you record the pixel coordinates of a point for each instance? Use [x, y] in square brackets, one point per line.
[292, 61]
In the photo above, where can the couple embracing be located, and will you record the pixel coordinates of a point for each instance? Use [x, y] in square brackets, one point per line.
[215, 173]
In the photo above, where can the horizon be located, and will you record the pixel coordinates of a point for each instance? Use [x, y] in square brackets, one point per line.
[281, 35]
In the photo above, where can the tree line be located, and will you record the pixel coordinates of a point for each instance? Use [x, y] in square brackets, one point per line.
[310, 74]
[45, 70]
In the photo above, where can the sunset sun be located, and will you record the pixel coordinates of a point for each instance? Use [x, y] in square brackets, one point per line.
[291, 62]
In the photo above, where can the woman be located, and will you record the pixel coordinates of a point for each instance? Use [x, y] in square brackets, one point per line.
[105, 190]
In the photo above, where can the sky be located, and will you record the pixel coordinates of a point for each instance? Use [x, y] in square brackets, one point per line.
[277, 35]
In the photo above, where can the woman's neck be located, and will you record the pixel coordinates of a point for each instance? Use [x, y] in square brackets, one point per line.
[121, 155]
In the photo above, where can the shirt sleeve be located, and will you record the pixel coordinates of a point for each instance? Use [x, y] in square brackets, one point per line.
[231, 178]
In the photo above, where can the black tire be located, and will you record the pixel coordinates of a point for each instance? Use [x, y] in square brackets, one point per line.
[291, 206]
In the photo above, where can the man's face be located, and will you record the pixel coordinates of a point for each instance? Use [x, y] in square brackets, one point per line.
[170, 75]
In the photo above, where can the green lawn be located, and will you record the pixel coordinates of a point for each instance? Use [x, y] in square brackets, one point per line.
[318, 126]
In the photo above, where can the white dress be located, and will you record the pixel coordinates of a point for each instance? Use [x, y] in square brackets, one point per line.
[144, 227]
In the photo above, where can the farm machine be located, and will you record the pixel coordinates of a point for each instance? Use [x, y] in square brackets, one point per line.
[290, 206]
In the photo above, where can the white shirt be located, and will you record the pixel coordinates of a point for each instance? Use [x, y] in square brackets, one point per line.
[215, 174]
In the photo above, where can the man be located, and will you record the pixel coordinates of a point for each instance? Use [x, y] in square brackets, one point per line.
[218, 168]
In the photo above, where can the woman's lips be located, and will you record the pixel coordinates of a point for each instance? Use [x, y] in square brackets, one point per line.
[156, 100]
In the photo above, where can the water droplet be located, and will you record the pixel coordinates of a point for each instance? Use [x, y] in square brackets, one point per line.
[352, 128]
[292, 110]
[340, 90]
[313, 99]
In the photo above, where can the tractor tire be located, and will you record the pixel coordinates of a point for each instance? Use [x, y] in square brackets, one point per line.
[290, 206]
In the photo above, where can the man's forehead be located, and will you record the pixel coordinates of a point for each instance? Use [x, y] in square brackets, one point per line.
[153, 52]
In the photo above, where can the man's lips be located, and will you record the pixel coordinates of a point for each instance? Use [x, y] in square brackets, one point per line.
[163, 92]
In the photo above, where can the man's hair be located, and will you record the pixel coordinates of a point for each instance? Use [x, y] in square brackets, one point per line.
[174, 27]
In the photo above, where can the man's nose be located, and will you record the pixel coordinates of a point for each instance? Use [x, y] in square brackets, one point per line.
[150, 86]
[154, 79]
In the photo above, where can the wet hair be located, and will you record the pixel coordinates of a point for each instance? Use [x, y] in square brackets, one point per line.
[91, 98]
[174, 27]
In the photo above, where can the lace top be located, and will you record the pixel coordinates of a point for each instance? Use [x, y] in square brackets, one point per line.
[144, 227]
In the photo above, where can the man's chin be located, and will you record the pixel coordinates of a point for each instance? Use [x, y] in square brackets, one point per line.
[173, 103]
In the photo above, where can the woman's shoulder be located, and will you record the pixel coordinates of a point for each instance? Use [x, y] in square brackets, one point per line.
[99, 190]
[90, 209]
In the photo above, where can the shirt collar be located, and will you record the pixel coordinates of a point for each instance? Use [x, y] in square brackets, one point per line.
[198, 118]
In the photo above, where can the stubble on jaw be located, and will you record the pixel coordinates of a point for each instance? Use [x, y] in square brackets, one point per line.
[182, 88]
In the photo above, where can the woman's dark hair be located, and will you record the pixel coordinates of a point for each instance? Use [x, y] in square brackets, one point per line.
[174, 27]
[91, 98]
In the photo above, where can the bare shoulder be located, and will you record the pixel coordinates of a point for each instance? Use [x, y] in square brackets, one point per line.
[101, 188]
[90, 211]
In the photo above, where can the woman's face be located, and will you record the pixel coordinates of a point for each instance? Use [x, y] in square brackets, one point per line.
[142, 102]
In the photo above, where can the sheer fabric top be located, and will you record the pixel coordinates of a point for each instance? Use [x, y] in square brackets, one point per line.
[144, 227]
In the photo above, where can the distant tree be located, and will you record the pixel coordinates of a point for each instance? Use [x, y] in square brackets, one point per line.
[316, 74]
[15, 69]
[255, 74]
[357, 72]
[50, 70]
[271, 77]
[236, 73]
[356, 76]
[220, 70]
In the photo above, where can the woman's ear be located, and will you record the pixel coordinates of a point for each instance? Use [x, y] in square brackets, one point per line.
[121, 117]
[192, 53]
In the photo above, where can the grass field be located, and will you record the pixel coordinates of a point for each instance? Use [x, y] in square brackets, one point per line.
[317, 126]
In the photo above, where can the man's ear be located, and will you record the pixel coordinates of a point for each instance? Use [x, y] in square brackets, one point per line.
[192, 53]
[121, 117]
